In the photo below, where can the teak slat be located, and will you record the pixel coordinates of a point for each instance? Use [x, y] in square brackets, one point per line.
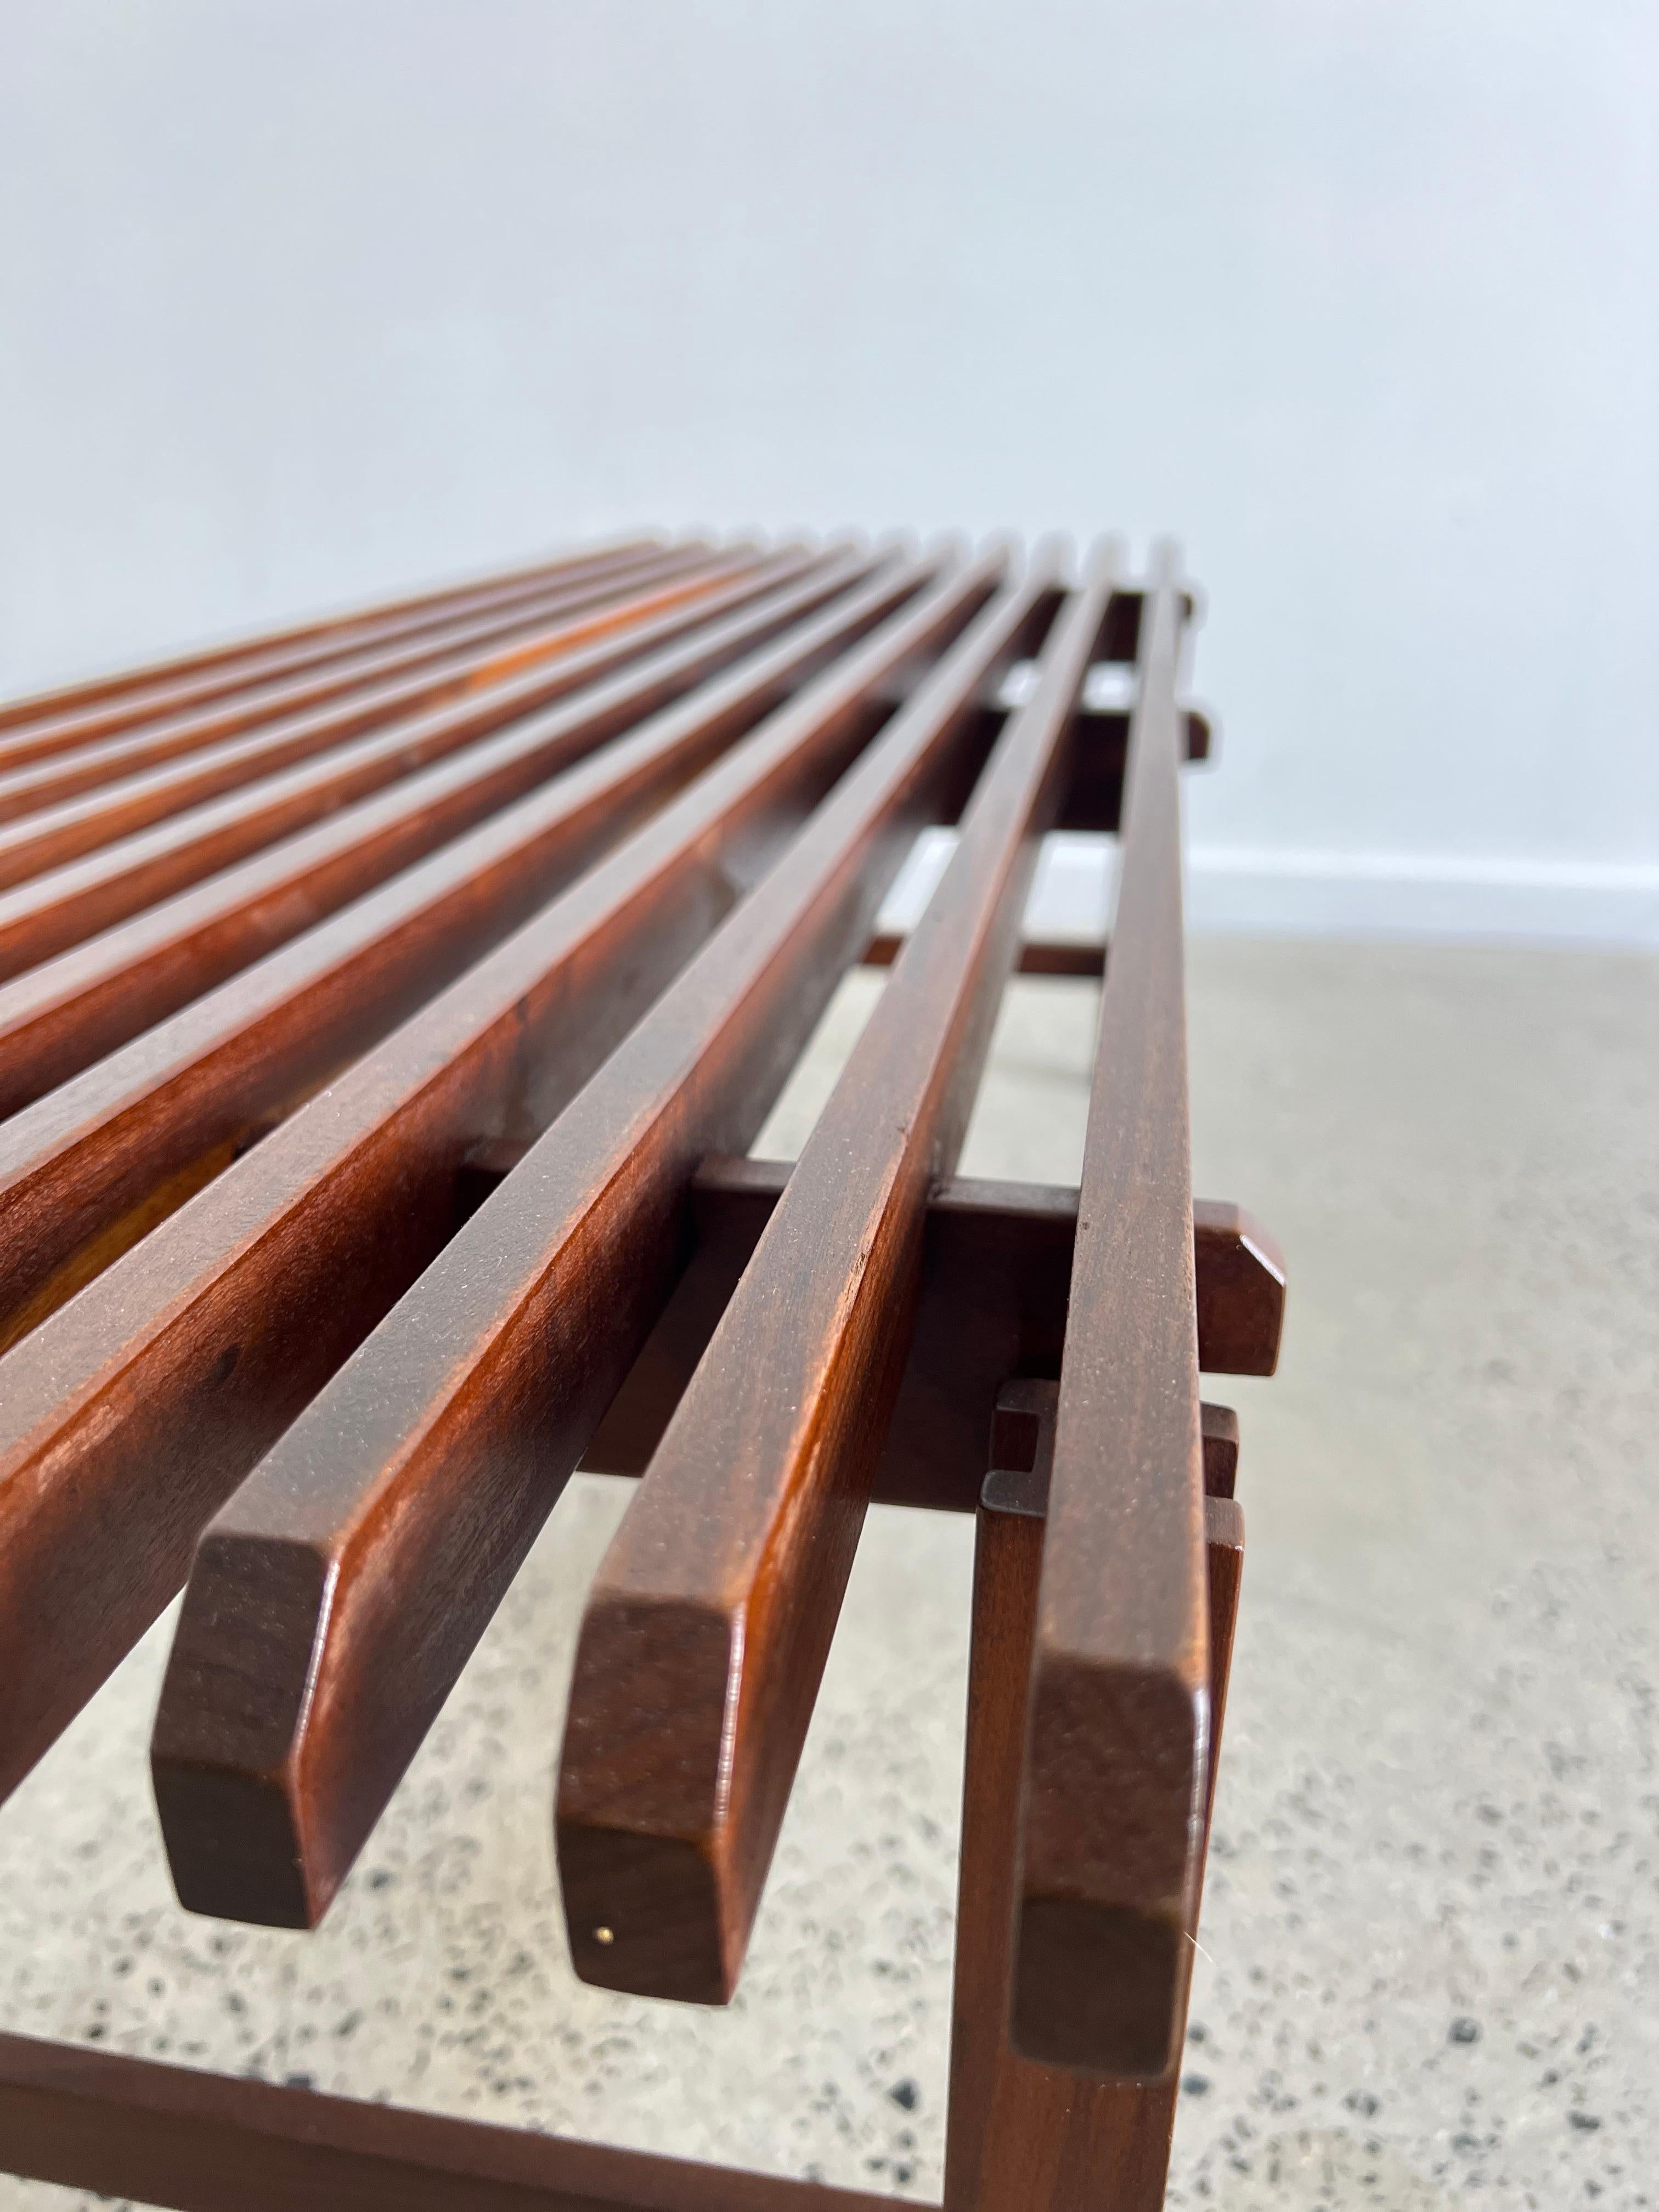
[66, 905]
[266, 673]
[439, 662]
[707, 1630]
[1119, 1707]
[242, 660]
[129, 1413]
[1024, 2137]
[73, 1162]
[57, 1017]
[383, 1529]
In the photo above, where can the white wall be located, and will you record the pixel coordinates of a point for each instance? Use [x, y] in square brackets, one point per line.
[1361, 297]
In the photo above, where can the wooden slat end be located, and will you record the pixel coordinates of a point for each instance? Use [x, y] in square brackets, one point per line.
[1099, 1991]
[223, 1753]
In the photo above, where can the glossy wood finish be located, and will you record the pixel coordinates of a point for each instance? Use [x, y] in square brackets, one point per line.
[1118, 1716]
[132, 693]
[72, 899]
[374, 1095]
[67, 1011]
[259, 728]
[72, 1164]
[454, 1429]
[1022, 2136]
[710, 1621]
[138, 1404]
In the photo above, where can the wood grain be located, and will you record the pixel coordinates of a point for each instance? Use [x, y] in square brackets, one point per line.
[69, 904]
[128, 1414]
[1118, 1744]
[381, 1531]
[102, 702]
[256, 729]
[59, 1016]
[384, 1004]
[706, 1632]
[289, 771]
[80, 1157]
[1024, 2136]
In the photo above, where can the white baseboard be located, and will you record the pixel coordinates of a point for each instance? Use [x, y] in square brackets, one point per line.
[1410, 895]
[1303, 893]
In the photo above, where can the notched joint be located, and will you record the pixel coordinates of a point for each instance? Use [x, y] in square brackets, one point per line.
[1022, 1448]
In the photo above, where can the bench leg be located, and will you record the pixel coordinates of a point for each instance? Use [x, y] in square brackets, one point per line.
[1023, 2137]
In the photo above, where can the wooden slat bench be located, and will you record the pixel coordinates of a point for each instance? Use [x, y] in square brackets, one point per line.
[386, 1008]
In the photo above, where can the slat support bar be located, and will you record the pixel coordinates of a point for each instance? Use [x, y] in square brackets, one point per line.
[996, 1267]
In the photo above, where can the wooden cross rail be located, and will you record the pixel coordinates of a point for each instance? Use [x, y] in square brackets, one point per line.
[996, 1265]
[386, 1006]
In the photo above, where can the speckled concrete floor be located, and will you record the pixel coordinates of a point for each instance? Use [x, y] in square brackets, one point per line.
[1430, 1972]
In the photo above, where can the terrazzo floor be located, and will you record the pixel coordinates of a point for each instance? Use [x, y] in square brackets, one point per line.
[1431, 1967]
